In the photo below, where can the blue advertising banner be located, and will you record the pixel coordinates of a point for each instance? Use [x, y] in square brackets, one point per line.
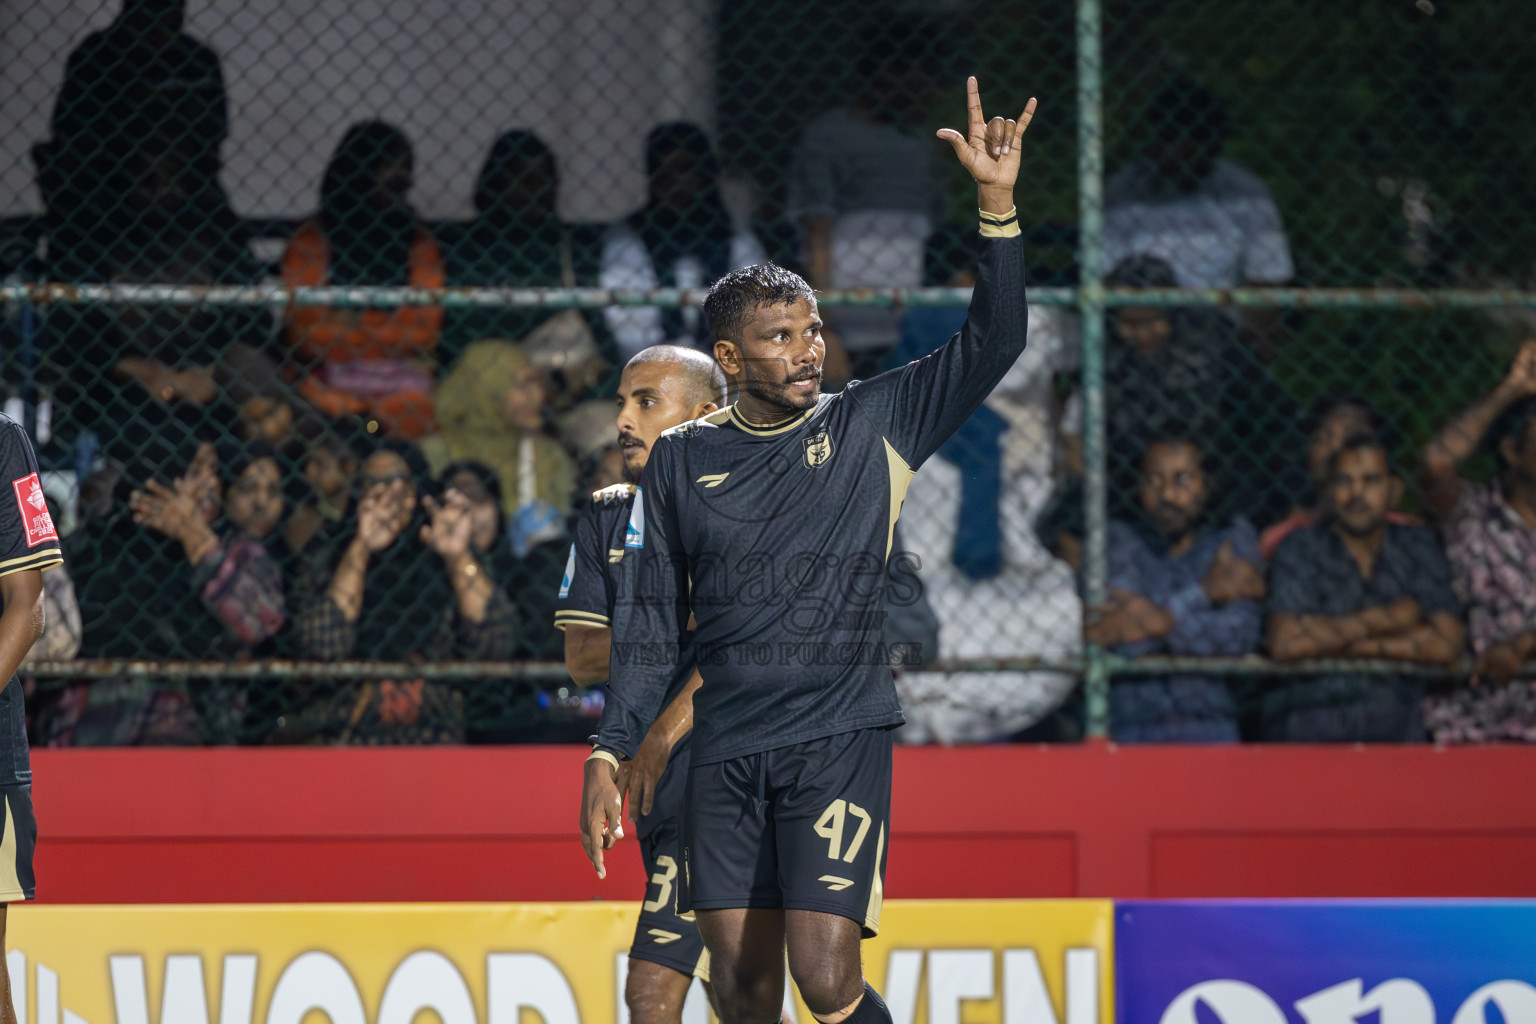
[1333, 962]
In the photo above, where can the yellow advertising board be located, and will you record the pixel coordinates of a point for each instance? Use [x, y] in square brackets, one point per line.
[936, 962]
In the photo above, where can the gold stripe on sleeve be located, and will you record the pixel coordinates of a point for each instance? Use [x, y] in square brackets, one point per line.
[567, 617]
[44, 559]
[1000, 225]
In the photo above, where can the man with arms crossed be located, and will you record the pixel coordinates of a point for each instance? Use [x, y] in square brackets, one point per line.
[662, 386]
[28, 545]
[771, 522]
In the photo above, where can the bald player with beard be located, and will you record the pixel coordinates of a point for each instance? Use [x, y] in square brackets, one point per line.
[662, 387]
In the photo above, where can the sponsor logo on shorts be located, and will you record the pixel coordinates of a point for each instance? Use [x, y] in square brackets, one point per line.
[834, 883]
[662, 936]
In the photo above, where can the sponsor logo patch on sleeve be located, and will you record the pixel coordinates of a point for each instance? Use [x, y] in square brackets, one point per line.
[34, 510]
[634, 533]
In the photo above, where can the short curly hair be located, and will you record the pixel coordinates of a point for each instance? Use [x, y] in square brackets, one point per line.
[735, 298]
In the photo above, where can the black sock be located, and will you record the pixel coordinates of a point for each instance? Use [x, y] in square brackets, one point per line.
[871, 1009]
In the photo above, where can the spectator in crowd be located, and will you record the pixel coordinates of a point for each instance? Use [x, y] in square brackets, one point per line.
[867, 188]
[237, 579]
[1333, 419]
[565, 351]
[136, 381]
[491, 409]
[1358, 586]
[403, 583]
[967, 521]
[1181, 582]
[530, 580]
[367, 362]
[1184, 367]
[329, 468]
[1490, 535]
[682, 238]
[516, 239]
[1213, 222]
[494, 711]
[138, 91]
[159, 575]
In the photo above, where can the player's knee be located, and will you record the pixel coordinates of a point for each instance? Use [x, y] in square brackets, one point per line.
[742, 998]
[826, 983]
[655, 994]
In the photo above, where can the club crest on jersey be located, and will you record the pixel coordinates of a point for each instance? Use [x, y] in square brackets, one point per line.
[818, 449]
[634, 533]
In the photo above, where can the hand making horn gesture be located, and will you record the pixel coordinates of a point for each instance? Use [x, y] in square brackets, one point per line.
[990, 149]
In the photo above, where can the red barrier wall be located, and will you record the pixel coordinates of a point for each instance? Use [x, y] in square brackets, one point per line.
[500, 824]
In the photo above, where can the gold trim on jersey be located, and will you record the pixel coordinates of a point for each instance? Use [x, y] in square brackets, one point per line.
[771, 428]
[876, 888]
[1000, 225]
[901, 479]
[10, 879]
[43, 559]
[568, 617]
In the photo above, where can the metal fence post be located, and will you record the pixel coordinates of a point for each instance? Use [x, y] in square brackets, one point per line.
[1090, 304]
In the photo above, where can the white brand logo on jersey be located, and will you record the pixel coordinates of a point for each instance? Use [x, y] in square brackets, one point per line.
[570, 571]
[712, 479]
[634, 533]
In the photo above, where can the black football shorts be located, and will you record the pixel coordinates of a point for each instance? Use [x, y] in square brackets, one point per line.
[18, 842]
[802, 827]
[662, 935]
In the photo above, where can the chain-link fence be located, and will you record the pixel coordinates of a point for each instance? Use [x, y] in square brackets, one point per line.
[279, 277]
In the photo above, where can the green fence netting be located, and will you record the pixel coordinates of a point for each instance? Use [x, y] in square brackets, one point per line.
[262, 261]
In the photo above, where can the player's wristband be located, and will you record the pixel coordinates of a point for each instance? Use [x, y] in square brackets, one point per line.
[1000, 225]
[603, 754]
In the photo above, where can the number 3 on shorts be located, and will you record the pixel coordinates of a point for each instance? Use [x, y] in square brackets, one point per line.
[663, 878]
[830, 827]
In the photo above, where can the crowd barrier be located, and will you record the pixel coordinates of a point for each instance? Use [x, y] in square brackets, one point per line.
[497, 824]
[937, 962]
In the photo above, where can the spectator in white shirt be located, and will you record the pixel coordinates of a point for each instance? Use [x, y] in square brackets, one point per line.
[682, 238]
[1213, 222]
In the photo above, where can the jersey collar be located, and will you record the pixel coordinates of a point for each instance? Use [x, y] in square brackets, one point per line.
[765, 429]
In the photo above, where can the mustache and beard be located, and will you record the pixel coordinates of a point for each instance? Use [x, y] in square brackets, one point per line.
[1359, 518]
[766, 381]
[1174, 522]
[634, 450]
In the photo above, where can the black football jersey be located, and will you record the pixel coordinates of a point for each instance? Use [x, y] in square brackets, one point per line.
[28, 540]
[776, 537]
[594, 577]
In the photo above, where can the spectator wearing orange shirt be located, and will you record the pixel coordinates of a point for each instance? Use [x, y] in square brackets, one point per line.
[367, 362]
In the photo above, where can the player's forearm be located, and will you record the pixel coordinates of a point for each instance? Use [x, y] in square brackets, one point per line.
[23, 619]
[676, 719]
[587, 650]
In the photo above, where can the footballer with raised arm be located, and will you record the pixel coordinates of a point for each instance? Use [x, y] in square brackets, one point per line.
[770, 522]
